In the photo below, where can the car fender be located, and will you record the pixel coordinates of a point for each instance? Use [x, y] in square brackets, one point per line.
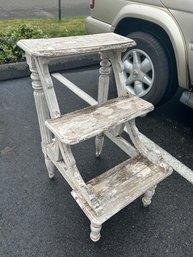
[168, 24]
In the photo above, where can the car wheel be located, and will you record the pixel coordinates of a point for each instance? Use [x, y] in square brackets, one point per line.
[147, 68]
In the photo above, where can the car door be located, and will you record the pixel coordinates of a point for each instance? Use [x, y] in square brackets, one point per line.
[182, 10]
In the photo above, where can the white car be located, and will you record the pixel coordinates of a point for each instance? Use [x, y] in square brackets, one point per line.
[162, 29]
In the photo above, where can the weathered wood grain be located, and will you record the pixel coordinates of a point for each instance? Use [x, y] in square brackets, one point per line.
[80, 125]
[76, 45]
[42, 112]
[48, 87]
[121, 185]
[103, 90]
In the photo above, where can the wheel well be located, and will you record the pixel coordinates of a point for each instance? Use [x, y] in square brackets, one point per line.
[129, 25]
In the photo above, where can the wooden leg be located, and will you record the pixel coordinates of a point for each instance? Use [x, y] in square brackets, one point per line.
[118, 70]
[50, 167]
[148, 196]
[42, 113]
[103, 89]
[99, 141]
[95, 232]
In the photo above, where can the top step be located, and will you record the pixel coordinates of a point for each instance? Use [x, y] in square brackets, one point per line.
[80, 125]
[69, 46]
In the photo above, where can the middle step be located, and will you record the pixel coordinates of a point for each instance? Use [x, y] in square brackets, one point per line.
[80, 125]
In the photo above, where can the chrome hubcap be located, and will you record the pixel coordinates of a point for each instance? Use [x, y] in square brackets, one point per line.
[139, 72]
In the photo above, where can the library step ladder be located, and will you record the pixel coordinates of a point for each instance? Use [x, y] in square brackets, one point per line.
[105, 195]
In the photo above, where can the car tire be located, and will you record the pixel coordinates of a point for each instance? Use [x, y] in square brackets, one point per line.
[147, 69]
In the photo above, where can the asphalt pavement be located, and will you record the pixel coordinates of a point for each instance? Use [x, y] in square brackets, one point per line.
[47, 8]
[39, 218]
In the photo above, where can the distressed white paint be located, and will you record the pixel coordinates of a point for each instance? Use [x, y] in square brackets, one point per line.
[103, 89]
[121, 185]
[76, 45]
[48, 87]
[83, 124]
[42, 112]
[108, 193]
[146, 200]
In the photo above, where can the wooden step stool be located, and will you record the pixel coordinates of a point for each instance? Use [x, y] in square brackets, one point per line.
[105, 195]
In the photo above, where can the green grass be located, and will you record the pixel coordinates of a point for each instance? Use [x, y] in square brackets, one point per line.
[11, 31]
[51, 27]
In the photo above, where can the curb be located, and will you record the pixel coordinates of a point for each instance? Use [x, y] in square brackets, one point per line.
[21, 69]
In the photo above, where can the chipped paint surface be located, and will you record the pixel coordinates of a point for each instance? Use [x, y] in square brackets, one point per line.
[91, 121]
[76, 45]
[122, 184]
[105, 195]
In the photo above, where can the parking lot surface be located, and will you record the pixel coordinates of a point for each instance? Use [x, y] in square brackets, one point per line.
[38, 217]
[37, 9]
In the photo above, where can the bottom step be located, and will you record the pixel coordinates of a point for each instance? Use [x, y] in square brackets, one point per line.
[121, 185]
